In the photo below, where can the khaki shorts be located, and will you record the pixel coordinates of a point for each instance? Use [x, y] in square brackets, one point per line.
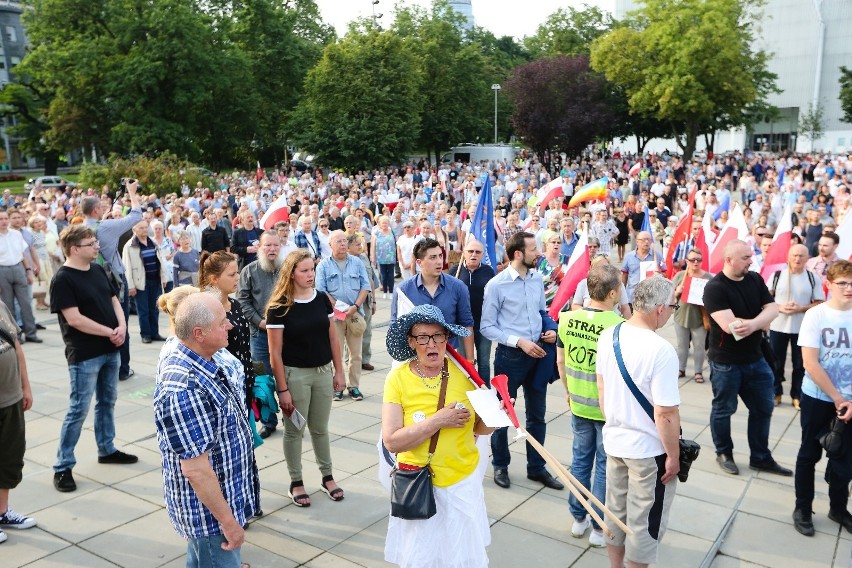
[635, 495]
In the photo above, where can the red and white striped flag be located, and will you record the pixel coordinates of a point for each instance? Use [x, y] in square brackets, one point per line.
[577, 269]
[735, 228]
[776, 256]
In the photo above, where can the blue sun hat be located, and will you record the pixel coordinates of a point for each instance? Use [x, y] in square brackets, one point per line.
[397, 336]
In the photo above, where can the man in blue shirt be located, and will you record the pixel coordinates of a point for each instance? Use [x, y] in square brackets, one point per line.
[431, 286]
[209, 472]
[512, 312]
[344, 278]
[569, 237]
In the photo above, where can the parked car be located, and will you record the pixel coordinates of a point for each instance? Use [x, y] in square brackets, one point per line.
[48, 182]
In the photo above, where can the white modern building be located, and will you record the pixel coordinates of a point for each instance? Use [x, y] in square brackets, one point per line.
[464, 8]
[809, 41]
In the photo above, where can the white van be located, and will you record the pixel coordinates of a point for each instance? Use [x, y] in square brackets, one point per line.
[475, 153]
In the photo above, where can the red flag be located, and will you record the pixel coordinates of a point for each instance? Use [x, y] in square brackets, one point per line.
[278, 211]
[465, 366]
[577, 269]
[259, 172]
[681, 234]
[736, 228]
[776, 256]
[704, 241]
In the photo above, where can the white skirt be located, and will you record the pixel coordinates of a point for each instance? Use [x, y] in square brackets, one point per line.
[455, 537]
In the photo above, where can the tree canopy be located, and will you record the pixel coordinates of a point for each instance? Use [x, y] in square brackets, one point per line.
[846, 93]
[689, 63]
[569, 31]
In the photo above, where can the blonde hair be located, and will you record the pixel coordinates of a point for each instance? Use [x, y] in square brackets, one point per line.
[282, 294]
[168, 303]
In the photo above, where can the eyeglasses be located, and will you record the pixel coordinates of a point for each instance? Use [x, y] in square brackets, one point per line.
[438, 338]
[674, 307]
[473, 251]
[842, 285]
[323, 226]
[91, 244]
[693, 260]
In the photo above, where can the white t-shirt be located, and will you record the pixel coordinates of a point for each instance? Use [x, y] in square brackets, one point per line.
[12, 247]
[286, 249]
[406, 247]
[653, 366]
[802, 292]
[830, 331]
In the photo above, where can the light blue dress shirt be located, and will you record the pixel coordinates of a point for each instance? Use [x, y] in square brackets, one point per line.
[512, 307]
[346, 285]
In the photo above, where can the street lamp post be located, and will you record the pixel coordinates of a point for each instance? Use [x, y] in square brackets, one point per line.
[496, 88]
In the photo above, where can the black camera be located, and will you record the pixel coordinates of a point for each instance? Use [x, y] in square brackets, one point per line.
[689, 450]
[125, 181]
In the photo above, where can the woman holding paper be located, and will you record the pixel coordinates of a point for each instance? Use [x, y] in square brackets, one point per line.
[302, 348]
[689, 318]
[456, 536]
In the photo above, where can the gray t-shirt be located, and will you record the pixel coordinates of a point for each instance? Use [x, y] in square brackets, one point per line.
[10, 374]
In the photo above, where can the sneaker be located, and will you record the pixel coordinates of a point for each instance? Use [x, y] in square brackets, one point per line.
[597, 539]
[12, 520]
[579, 528]
[64, 481]
[355, 394]
[3, 536]
[338, 395]
[118, 457]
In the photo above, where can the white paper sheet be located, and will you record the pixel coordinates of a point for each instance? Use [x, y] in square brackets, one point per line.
[696, 291]
[487, 407]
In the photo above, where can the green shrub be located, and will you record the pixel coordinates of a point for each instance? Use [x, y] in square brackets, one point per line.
[160, 174]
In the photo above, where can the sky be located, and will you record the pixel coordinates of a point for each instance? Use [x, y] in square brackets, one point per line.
[500, 17]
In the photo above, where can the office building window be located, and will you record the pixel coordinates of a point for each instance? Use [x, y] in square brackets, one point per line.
[11, 34]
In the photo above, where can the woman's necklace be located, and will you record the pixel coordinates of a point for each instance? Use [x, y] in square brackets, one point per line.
[424, 378]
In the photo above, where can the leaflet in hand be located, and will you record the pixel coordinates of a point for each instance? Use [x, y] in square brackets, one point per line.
[297, 419]
[488, 408]
[340, 309]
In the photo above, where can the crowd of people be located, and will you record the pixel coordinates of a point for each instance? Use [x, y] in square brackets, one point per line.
[292, 300]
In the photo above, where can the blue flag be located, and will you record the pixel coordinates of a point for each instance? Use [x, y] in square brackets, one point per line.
[781, 171]
[482, 225]
[646, 222]
[724, 205]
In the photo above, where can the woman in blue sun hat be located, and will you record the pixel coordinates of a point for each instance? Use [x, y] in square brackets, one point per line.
[458, 534]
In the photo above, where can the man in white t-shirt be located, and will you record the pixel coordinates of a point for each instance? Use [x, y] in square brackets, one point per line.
[795, 290]
[643, 453]
[405, 249]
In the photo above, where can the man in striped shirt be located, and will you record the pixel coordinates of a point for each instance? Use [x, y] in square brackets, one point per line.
[209, 472]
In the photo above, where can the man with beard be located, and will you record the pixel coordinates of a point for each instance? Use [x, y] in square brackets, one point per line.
[740, 308]
[257, 279]
[511, 306]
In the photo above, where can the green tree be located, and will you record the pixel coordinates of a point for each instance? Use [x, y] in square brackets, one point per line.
[25, 112]
[689, 63]
[362, 102]
[846, 93]
[569, 31]
[812, 123]
[456, 89]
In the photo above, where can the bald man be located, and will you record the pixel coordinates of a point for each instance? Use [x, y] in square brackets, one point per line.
[740, 308]
[796, 290]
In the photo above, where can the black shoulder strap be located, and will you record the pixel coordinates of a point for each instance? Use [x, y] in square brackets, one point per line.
[775, 277]
[640, 398]
[812, 280]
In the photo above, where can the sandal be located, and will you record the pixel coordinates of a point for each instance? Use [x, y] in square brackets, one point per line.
[681, 374]
[699, 378]
[300, 500]
[335, 494]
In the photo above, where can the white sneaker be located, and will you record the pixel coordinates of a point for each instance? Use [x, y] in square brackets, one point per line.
[3, 536]
[597, 539]
[12, 520]
[384, 295]
[579, 528]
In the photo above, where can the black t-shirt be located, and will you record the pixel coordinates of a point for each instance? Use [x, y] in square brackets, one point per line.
[306, 341]
[90, 291]
[638, 217]
[746, 299]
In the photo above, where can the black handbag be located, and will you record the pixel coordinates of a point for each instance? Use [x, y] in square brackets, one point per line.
[832, 440]
[412, 495]
[689, 449]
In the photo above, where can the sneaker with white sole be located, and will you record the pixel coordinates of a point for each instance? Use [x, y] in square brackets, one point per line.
[3, 536]
[12, 520]
[579, 528]
[597, 539]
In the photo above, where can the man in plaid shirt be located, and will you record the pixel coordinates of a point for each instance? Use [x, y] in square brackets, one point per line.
[209, 473]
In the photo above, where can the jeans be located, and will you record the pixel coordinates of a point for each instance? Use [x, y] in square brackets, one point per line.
[386, 274]
[206, 552]
[520, 368]
[259, 346]
[588, 450]
[815, 416]
[752, 382]
[483, 356]
[124, 350]
[779, 341]
[98, 376]
[146, 308]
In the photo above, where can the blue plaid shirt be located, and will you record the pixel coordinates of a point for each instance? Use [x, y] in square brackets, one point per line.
[313, 246]
[198, 408]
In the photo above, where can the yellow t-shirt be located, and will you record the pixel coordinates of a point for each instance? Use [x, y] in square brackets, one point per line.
[456, 455]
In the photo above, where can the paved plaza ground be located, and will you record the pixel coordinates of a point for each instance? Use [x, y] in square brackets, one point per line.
[117, 516]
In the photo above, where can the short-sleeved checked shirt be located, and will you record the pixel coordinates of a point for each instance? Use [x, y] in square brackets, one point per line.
[198, 408]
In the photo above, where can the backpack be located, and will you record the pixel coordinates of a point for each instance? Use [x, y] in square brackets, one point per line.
[811, 279]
